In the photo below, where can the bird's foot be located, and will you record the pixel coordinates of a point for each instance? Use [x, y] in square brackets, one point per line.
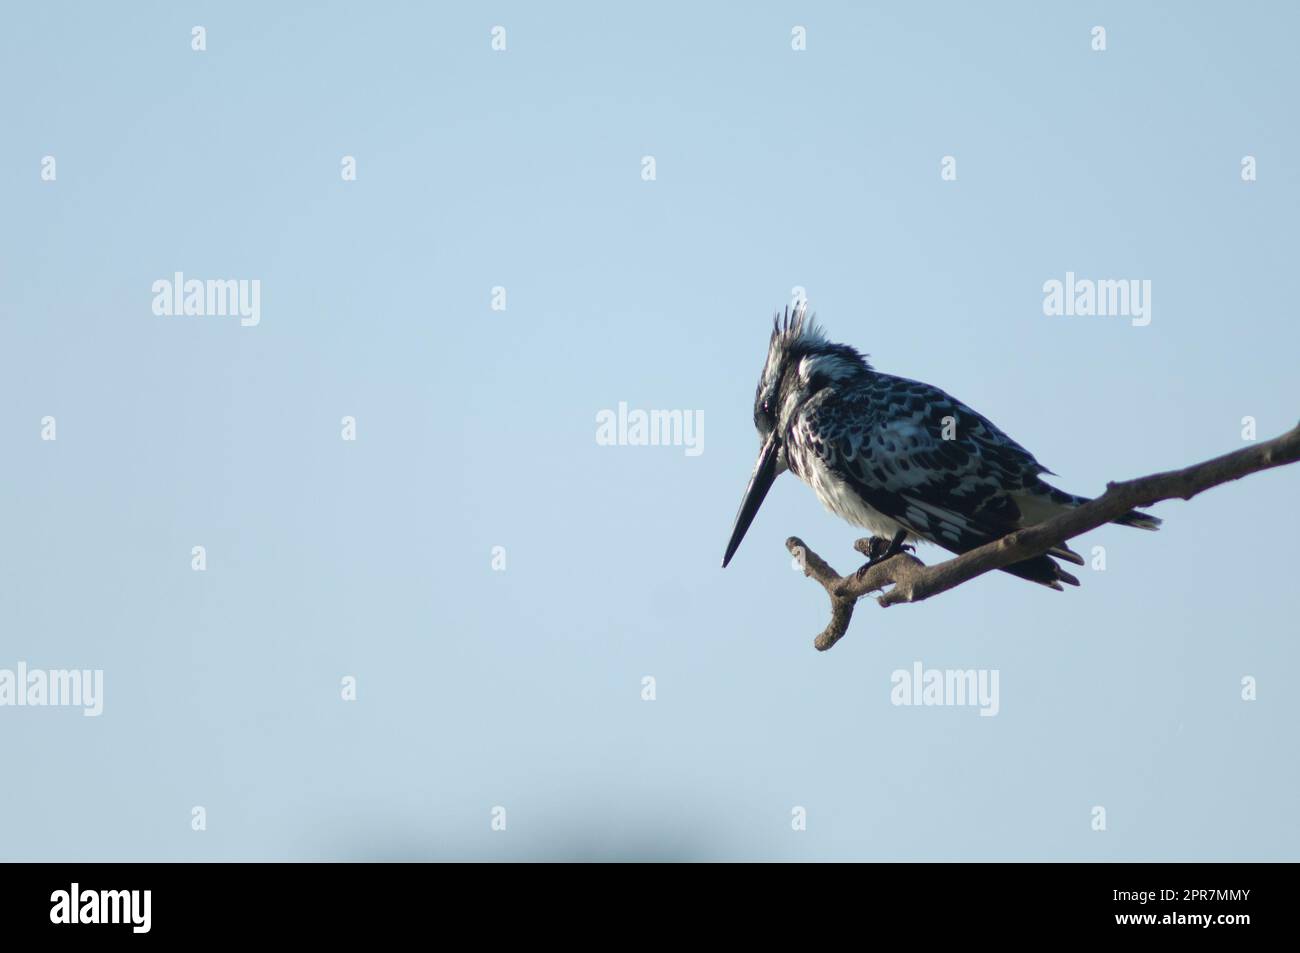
[877, 549]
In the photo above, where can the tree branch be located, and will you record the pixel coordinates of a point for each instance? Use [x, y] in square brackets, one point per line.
[911, 580]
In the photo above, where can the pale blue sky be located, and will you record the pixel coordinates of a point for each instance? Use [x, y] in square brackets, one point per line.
[477, 428]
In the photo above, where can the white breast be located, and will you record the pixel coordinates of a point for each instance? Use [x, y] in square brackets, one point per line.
[838, 497]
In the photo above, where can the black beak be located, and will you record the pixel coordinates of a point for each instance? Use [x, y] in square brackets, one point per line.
[759, 483]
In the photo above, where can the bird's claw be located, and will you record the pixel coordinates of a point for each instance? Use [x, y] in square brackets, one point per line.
[878, 549]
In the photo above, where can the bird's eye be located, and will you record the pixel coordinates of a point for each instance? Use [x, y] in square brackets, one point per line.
[767, 408]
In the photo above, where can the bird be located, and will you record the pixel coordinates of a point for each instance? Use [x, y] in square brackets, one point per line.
[900, 458]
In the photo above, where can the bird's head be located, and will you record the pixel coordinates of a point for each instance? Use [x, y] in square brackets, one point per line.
[800, 362]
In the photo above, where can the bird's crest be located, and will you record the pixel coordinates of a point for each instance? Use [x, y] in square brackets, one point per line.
[796, 337]
[795, 325]
[800, 360]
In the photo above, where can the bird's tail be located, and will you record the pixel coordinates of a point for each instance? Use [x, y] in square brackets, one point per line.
[1050, 501]
[1041, 504]
[1139, 520]
[1043, 570]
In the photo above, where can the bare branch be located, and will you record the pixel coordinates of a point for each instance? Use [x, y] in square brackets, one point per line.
[911, 580]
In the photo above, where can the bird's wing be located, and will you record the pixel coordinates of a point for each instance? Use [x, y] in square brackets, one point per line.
[920, 457]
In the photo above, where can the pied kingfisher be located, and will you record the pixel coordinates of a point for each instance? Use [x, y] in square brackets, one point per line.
[898, 457]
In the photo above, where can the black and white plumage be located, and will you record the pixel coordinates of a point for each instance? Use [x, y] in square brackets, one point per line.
[898, 457]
